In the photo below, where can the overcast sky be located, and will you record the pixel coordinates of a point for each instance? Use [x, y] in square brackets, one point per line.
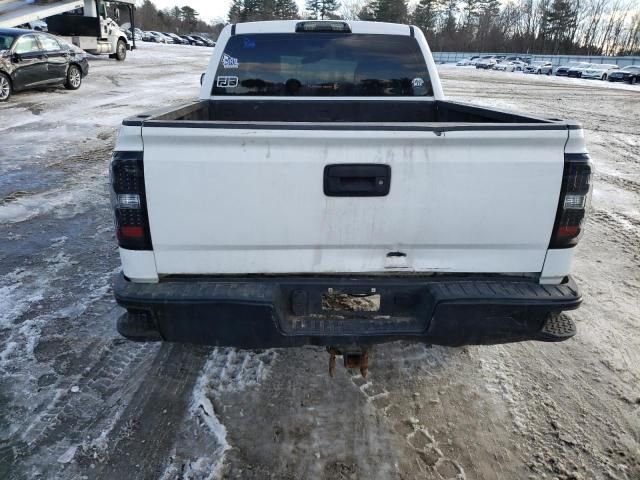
[208, 9]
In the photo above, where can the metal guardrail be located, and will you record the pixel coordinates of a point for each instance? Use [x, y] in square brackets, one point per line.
[556, 60]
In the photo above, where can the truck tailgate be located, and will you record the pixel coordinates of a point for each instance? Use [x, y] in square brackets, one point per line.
[235, 201]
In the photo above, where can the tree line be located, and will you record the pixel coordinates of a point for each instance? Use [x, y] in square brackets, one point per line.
[581, 27]
[182, 20]
[584, 27]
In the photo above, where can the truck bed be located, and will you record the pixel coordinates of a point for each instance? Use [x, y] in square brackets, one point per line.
[343, 114]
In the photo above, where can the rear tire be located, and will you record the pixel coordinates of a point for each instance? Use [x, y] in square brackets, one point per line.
[121, 51]
[5, 87]
[74, 78]
[633, 80]
[604, 77]
[549, 72]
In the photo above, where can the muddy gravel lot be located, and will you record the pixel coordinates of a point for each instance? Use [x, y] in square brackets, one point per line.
[77, 401]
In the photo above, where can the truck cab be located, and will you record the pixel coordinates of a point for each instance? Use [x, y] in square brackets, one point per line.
[91, 29]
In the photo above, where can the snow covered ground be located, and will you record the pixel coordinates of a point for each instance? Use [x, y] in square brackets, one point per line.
[76, 401]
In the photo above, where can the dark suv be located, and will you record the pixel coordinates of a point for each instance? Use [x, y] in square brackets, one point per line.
[32, 59]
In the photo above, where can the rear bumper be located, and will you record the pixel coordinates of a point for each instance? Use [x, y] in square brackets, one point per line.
[287, 311]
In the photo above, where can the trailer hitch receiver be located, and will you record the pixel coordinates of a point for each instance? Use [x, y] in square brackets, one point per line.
[353, 357]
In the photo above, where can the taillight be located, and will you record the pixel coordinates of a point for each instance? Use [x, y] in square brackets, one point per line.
[574, 200]
[129, 201]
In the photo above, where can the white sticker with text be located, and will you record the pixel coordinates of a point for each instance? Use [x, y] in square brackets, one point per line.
[227, 82]
[229, 62]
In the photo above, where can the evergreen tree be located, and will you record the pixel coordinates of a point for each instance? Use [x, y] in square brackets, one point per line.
[394, 11]
[559, 20]
[471, 12]
[253, 10]
[285, 9]
[248, 11]
[367, 12]
[488, 12]
[235, 11]
[189, 15]
[426, 14]
[322, 8]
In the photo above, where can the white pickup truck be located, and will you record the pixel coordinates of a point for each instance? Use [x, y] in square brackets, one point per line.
[323, 191]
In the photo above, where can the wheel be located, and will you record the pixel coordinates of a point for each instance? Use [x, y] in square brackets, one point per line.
[121, 51]
[5, 87]
[538, 72]
[74, 78]
[549, 72]
[604, 77]
[633, 80]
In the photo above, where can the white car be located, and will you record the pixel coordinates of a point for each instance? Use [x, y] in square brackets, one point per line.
[487, 62]
[465, 62]
[158, 37]
[515, 66]
[599, 71]
[577, 70]
[539, 68]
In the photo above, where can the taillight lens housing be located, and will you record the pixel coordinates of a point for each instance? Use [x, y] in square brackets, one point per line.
[575, 198]
[129, 201]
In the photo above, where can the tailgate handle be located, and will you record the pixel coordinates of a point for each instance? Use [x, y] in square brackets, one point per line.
[357, 180]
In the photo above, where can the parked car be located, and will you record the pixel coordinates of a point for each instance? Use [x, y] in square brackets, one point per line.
[629, 74]
[158, 37]
[468, 61]
[539, 68]
[194, 41]
[510, 66]
[177, 39]
[563, 70]
[487, 62]
[517, 58]
[576, 71]
[130, 36]
[33, 59]
[340, 260]
[190, 41]
[207, 41]
[137, 32]
[599, 71]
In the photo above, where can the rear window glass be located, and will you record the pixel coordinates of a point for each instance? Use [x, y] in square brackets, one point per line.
[322, 64]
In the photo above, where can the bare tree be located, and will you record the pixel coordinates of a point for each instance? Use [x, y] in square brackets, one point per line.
[350, 9]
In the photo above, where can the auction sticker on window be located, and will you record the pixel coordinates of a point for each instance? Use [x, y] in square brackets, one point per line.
[229, 62]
